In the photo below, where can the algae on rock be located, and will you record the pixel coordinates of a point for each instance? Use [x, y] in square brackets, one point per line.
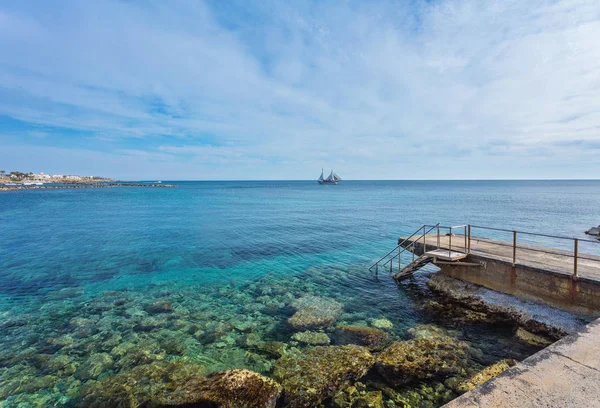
[420, 359]
[374, 339]
[314, 375]
[314, 312]
[484, 375]
[226, 389]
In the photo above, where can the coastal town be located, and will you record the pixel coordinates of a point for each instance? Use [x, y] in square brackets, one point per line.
[20, 178]
[17, 180]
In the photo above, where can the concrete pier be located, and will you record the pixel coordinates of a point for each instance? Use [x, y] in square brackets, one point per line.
[565, 374]
[527, 271]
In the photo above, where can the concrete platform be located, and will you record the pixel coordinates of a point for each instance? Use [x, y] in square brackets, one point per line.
[446, 255]
[538, 273]
[550, 259]
[565, 374]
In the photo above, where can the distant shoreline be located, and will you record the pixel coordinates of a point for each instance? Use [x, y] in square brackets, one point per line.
[79, 185]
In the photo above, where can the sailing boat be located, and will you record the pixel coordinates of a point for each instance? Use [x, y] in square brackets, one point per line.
[331, 179]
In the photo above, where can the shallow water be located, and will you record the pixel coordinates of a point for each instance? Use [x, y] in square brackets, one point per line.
[80, 269]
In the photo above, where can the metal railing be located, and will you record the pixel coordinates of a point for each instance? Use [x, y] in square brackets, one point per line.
[401, 249]
[464, 244]
[515, 245]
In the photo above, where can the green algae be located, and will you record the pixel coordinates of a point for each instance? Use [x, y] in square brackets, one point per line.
[314, 375]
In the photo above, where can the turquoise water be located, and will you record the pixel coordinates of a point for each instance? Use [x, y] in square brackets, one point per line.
[234, 253]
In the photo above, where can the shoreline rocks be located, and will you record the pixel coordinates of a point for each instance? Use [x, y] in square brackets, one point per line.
[468, 295]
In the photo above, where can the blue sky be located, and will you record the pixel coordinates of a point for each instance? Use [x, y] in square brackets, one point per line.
[450, 89]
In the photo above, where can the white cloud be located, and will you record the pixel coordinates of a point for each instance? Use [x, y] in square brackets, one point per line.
[379, 88]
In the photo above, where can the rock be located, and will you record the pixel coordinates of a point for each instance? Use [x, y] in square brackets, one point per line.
[273, 348]
[159, 306]
[138, 386]
[427, 331]
[316, 374]
[484, 375]
[420, 359]
[533, 339]
[468, 295]
[383, 324]
[313, 312]
[353, 397]
[311, 338]
[227, 389]
[593, 231]
[370, 337]
[95, 365]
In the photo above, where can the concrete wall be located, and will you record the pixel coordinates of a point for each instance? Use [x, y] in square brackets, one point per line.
[560, 290]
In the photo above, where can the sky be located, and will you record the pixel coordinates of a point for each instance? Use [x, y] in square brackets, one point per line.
[225, 89]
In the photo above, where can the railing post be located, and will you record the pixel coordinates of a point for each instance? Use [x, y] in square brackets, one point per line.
[575, 254]
[399, 259]
[438, 236]
[424, 240]
[465, 233]
[514, 248]
[469, 248]
[450, 244]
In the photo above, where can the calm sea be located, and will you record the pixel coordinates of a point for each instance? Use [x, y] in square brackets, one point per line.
[215, 231]
[63, 250]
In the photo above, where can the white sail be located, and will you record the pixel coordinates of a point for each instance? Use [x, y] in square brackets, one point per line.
[321, 176]
[336, 177]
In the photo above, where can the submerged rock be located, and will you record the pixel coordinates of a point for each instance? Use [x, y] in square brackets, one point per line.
[314, 312]
[382, 323]
[533, 339]
[139, 386]
[427, 331]
[227, 389]
[311, 338]
[273, 348]
[159, 306]
[314, 375]
[370, 337]
[420, 359]
[355, 396]
[484, 375]
[95, 365]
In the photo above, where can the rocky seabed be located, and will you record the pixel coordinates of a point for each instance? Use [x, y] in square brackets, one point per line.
[278, 341]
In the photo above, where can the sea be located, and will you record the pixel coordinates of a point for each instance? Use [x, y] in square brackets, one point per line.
[188, 273]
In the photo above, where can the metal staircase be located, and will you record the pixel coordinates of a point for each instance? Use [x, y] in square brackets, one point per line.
[406, 245]
[413, 267]
[431, 252]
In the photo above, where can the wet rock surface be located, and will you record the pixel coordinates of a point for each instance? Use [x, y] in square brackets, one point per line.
[484, 375]
[312, 338]
[423, 358]
[314, 375]
[314, 312]
[486, 306]
[370, 337]
[227, 389]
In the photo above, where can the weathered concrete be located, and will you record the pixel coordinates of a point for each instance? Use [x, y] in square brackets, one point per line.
[542, 276]
[565, 374]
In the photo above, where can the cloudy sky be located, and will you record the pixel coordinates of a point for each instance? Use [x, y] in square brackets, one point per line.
[449, 89]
